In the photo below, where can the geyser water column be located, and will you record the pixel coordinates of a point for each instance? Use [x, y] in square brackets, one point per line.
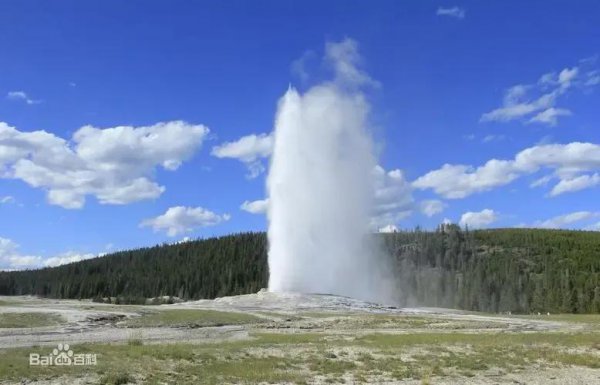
[320, 188]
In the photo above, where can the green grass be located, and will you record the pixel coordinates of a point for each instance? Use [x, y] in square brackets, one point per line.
[382, 341]
[191, 318]
[4, 302]
[29, 320]
[298, 358]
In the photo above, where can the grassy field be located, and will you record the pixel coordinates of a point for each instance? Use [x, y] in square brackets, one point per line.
[297, 358]
[29, 320]
[191, 318]
[164, 345]
[4, 302]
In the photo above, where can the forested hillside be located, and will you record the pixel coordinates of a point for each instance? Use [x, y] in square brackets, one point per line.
[209, 268]
[518, 270]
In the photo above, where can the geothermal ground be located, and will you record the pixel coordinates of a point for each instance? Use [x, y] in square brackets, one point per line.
[293, 339]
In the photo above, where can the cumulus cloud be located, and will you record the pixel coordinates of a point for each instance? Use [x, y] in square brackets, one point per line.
[21, 96]
[116, 165]
[478, 219]
[11, 258]
[393, 197]
[256, 207]
[566, 220]
[455, 12]
[249, 149]
[179, 220]
[460, 181]
[536, 103]
[571, 164]
[432, 207]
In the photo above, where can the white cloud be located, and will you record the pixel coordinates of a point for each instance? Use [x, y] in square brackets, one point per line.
[478, 219]
[492, 138]
[116, 165]
[575, 184]
[570, 163]
[593, 78]
[21, 96]
[456, 12]
[536, 103]
[550, 116]
[249, 149]
[460, 181]
[541, 181]
[6, 200]
[565, 220]
[11, 259]
[567, 75]
[178, 220]
[516, 107]
[256, 207]
[388, 229]
[393, 197]
[68, 257]
[432, 207]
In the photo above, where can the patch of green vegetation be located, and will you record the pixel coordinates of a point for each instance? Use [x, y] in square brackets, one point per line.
[4, 302]
[387, 341]
[116, 379]
[356, 321]
[249, 370]
[385, 321]
[288, 338]
[135, 338]
[298, 358]
[191, 318]
[29, 320]
[330, 365]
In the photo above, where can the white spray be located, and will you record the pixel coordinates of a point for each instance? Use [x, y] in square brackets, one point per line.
[321, 192]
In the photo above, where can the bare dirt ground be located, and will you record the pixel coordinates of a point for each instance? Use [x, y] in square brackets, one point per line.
[353, 327]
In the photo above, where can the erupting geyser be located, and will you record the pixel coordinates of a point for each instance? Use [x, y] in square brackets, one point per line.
[321, 193]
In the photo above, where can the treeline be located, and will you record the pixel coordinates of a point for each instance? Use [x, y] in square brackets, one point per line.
[501, 270]
[518, 270]
[209, 268]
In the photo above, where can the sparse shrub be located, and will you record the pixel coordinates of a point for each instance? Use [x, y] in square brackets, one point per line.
[117, 379]
[135, 338]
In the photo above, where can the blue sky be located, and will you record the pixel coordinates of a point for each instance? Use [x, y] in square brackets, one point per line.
[459, 84]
